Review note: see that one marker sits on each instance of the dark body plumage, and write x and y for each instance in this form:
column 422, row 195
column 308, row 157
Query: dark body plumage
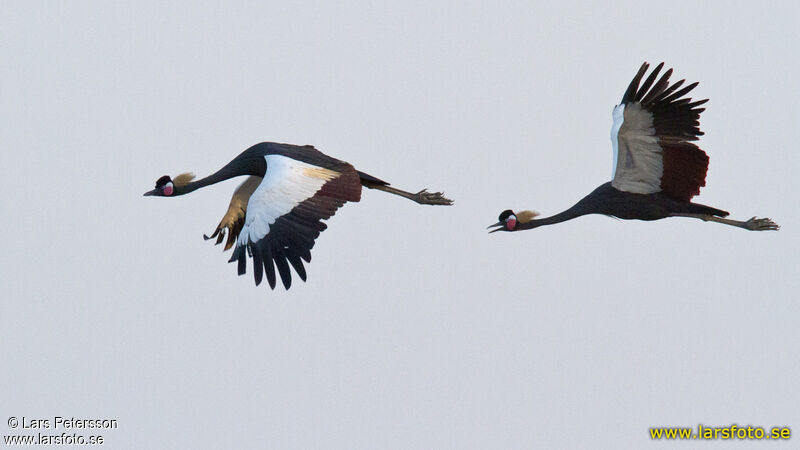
column 626, row 205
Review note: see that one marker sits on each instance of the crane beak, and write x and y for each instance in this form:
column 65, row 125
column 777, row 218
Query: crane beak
column 498, row 224
column 149, row 193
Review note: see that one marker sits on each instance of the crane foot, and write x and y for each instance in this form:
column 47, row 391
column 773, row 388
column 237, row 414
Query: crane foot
column 756, row 224
column 424, row 197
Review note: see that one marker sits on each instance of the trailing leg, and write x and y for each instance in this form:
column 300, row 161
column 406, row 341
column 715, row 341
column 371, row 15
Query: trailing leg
column 422, row 197
column 754, row 224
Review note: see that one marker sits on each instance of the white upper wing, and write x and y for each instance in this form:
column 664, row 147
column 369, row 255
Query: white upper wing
column 638, row 160
column 286, row 184
column 300, row 188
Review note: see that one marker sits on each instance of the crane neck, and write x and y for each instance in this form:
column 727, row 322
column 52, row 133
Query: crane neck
column 576, row 210
column 247, row 163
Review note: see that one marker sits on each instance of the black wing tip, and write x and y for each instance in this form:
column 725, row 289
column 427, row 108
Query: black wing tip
column 242, row 266
column 265, row 262
column 633, row 87
column 657, row 92
column 220, row 237
column 648, row 82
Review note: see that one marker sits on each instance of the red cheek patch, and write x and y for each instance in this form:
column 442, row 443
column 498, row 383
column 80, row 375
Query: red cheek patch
column 510, row 223
column 167, row 190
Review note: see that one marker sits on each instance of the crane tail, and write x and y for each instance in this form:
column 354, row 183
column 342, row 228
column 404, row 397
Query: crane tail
column 369, row 181
column 696, row 208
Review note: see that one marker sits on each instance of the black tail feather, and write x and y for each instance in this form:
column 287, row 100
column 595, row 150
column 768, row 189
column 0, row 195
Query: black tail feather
column 368, row 180
column 696, row 208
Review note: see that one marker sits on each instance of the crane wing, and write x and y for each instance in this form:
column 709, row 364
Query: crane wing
column 284, row 214
column 233, row 220
column 651, row 137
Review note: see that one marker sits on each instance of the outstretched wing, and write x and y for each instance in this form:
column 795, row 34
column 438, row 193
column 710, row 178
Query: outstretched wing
column 233, row 220
column 651, row 137
column 285, row 212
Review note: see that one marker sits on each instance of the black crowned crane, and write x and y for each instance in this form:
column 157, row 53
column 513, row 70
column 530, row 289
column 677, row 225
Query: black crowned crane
column 657, row 169
column 276, row 213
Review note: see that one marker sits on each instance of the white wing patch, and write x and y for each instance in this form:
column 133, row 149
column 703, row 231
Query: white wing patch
column 286, row 184
column 617, row 117
column 638, row 160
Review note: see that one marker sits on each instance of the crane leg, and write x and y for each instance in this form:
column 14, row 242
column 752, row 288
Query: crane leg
column 422, row 197
column 754, row 224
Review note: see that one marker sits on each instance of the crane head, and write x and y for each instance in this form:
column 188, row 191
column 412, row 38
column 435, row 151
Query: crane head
column 508, row 220
column 166, row 186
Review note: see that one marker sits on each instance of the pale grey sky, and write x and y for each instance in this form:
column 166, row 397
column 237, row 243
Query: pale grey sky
column 415, row 329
